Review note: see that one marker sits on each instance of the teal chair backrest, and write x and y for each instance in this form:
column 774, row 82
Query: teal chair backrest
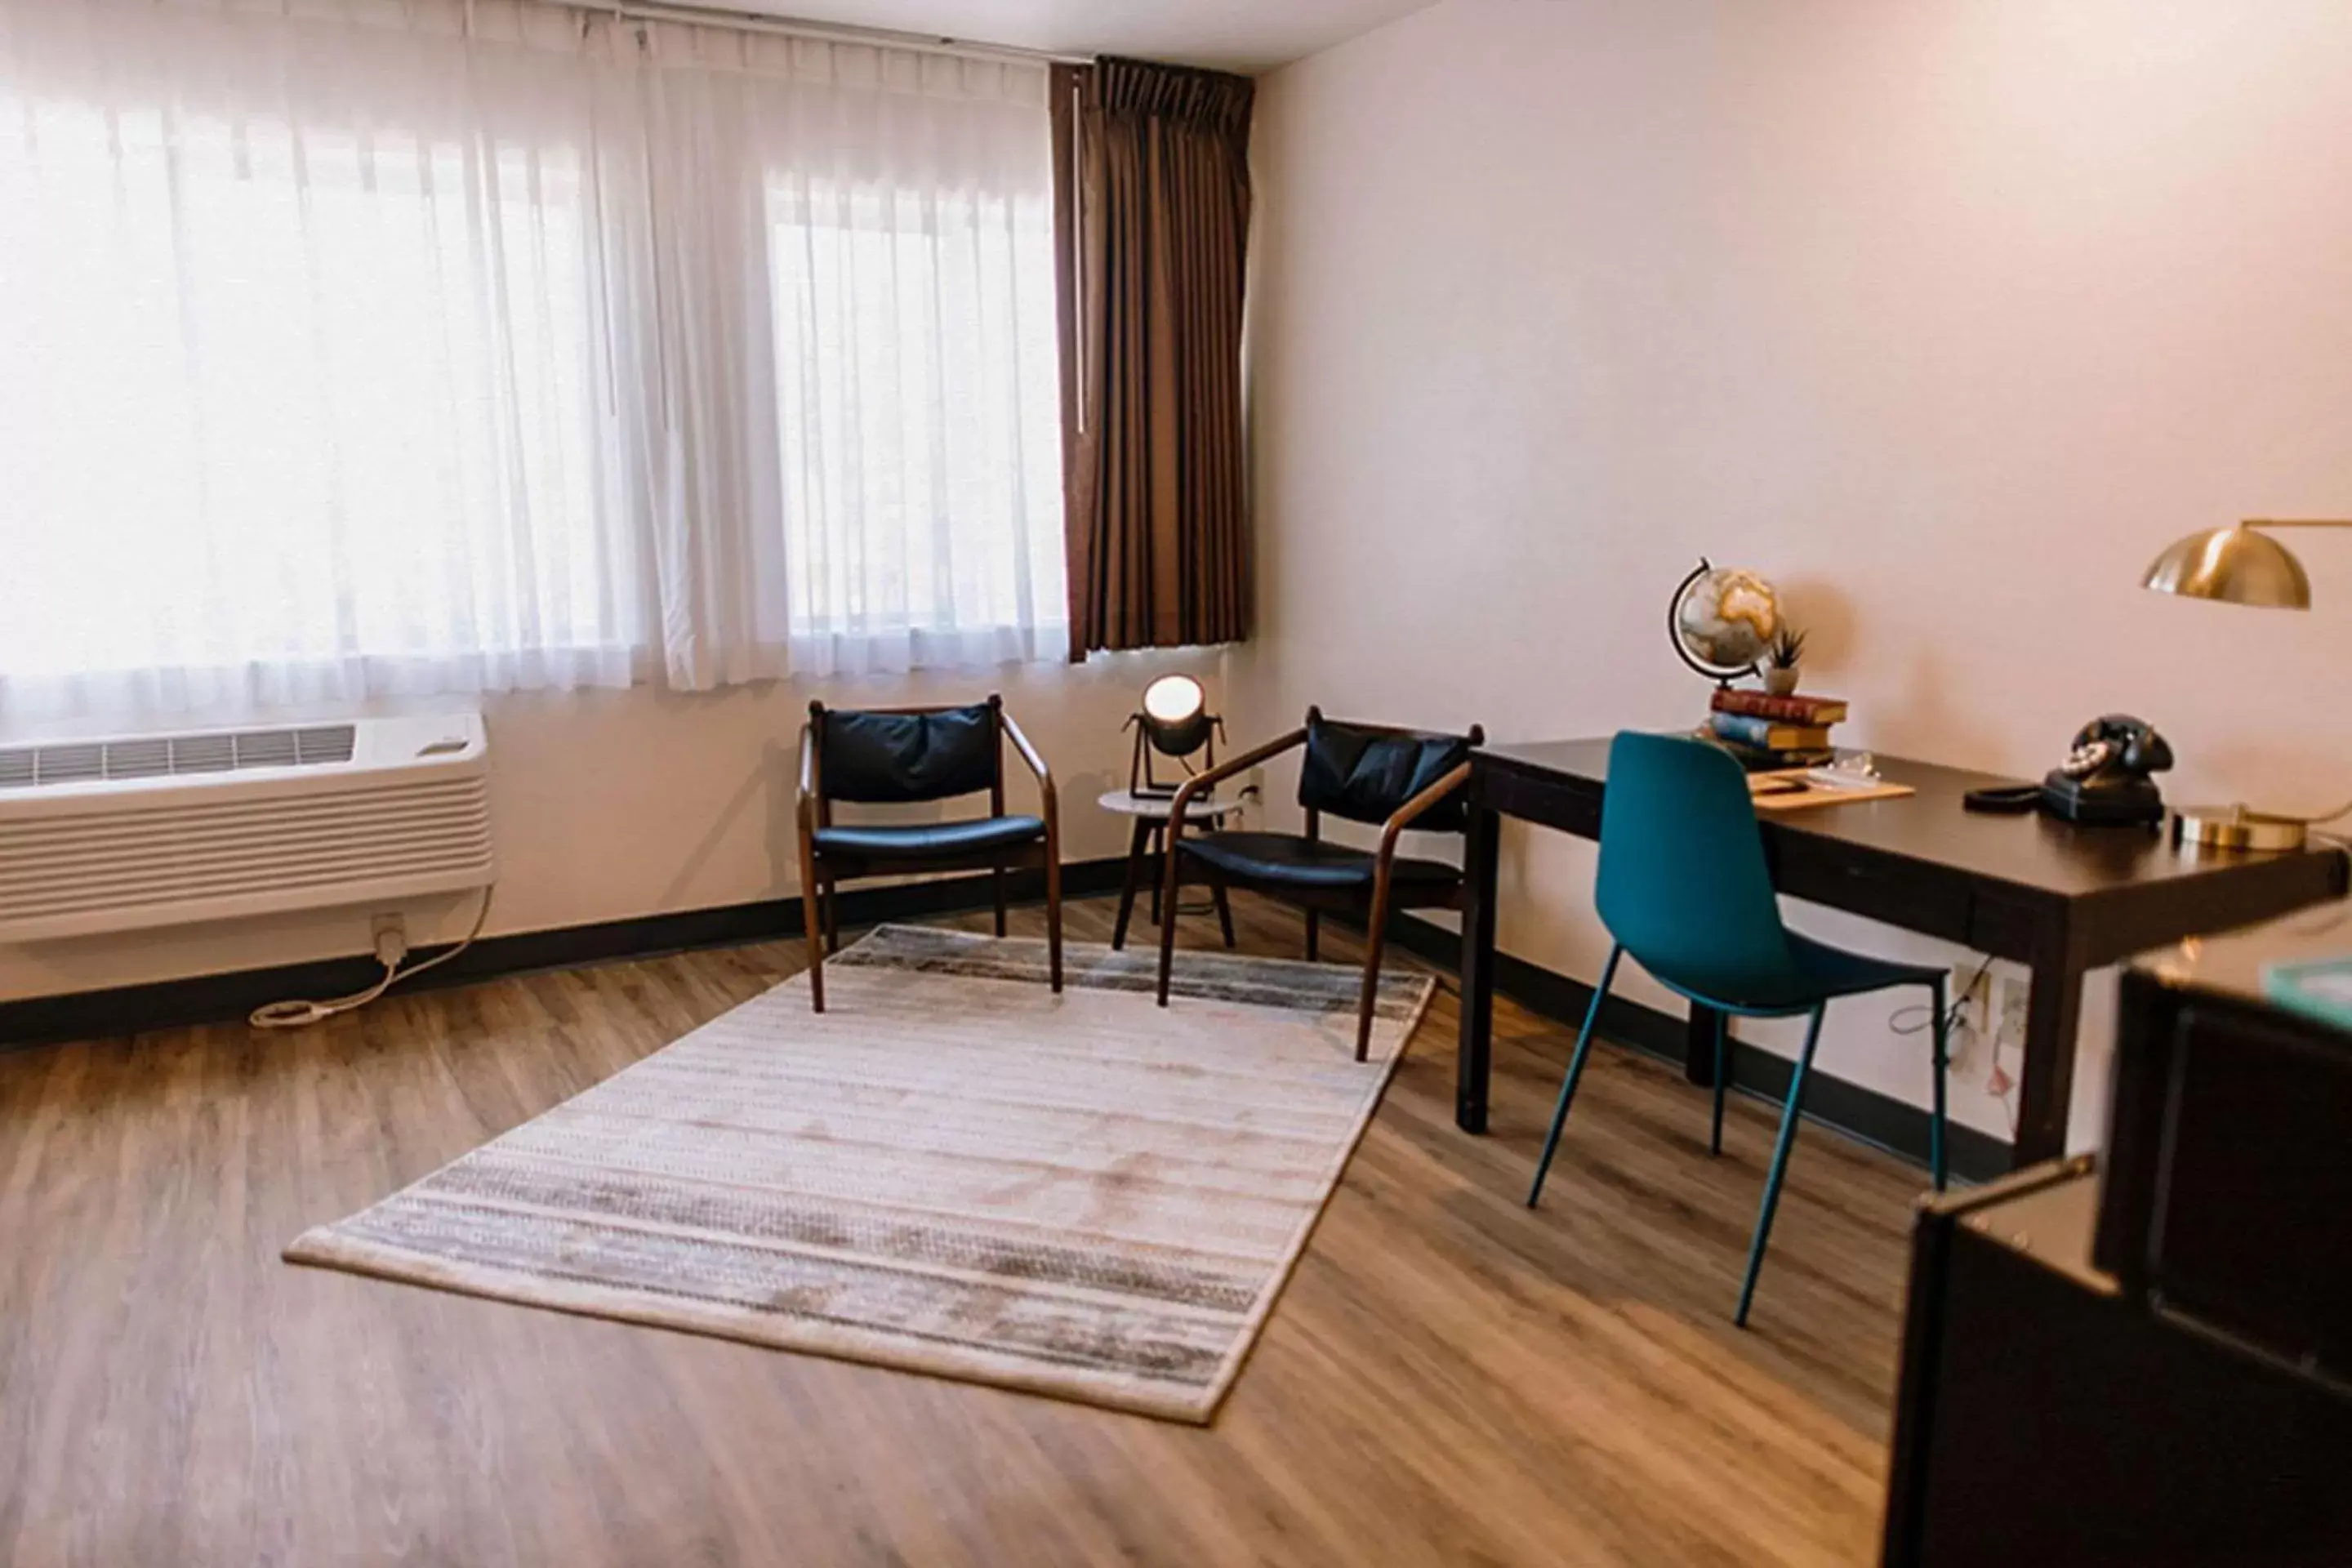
column 1682, row 885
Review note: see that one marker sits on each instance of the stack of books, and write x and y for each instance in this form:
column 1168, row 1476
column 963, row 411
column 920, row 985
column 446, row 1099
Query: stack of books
column 1764, row 732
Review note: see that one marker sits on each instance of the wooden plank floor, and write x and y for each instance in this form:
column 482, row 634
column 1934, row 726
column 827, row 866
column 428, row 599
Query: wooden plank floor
column 1448, row 1378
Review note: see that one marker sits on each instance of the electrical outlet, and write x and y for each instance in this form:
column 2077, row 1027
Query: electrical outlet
column 1251, row 795
column 1971, row 1000
column 2009, row 1014
column 390, row 935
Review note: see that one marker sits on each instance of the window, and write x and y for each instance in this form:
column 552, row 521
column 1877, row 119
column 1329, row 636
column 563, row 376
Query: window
column 361, row 353
column 296, row 411
column 918, row 421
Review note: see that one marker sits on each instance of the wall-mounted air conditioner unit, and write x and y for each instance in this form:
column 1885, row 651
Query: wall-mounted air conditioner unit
column 136, row 831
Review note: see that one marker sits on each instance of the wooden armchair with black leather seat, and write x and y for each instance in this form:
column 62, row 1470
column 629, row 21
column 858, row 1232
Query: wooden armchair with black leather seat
column 898, row 755
column 1374, row 773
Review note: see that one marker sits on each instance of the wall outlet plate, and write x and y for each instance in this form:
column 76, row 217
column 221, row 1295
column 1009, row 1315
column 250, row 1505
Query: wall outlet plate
column 1971, row 1006
column 2009, row 998
column 1252, row 791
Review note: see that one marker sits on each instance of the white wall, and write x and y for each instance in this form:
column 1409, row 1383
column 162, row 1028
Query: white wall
column 608, row 804
column 1946, row 315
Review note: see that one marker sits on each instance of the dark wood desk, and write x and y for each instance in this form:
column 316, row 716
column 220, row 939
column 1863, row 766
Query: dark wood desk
column 2059, row 900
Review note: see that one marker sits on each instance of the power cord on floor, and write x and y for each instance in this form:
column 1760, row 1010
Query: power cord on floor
column 298, row 1015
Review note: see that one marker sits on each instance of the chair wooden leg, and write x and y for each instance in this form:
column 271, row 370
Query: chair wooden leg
column 1225, row 909
column 1158, row 846
column 1314, row 932
column 1053, row 910
column 832, row 916
column 1722, row 1077
column 1376, row 929
column 813, row 929
column 1941, row 1024
column 1575, row 1071
column 996, row 878
column 1171, row 889
column 1789, row 1116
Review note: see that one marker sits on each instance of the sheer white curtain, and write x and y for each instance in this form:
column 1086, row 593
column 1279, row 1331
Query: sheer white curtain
column 307, row 391
column 360, row 349
column 856, row 251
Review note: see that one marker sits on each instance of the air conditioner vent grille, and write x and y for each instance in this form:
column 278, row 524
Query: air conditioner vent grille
column 173, row 756
column 109, row 835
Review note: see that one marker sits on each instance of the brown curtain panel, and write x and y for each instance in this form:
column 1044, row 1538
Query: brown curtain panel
column 1152, row 201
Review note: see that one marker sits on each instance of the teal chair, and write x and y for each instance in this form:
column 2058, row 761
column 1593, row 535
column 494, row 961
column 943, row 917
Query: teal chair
column 1685, row 890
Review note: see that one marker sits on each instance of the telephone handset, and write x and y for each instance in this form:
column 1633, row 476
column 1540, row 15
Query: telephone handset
column 2104, row 779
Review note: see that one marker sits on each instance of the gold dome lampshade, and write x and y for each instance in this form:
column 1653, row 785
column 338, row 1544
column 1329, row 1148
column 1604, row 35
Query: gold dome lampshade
column 2241, row 565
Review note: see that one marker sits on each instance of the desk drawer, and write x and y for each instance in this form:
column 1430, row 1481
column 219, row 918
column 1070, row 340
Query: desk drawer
column 1550, row 800
column 1924, row 898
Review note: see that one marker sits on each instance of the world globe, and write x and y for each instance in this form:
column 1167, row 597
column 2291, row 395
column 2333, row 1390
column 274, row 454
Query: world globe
column 1723, row 619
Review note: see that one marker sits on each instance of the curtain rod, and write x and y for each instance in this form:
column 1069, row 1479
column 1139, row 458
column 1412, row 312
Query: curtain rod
column 833, row 32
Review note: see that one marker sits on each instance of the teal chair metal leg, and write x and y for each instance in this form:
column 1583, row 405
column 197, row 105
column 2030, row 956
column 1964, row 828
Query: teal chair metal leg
column 1575, row 1071
column 1722, row 1078
column 1942, row 1025
column 1789, row 1116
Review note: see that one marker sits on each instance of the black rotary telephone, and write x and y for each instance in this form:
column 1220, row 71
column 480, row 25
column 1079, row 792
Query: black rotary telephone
column 2104, row 778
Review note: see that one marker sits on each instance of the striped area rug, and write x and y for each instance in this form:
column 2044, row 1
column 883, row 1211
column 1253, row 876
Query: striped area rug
column 951, row 1170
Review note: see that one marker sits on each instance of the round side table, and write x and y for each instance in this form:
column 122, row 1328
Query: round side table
column 1149, row 813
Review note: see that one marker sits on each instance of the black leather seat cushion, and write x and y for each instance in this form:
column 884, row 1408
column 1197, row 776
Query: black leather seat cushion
column 908, row 756
column 1366, row 777
column 923, row 840
column 1289, row 860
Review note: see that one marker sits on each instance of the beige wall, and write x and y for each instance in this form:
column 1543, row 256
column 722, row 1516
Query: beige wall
column 611, row 804
column 1946, row 315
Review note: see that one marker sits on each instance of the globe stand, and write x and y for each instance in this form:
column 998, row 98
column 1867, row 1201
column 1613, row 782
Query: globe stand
column 1722, row 675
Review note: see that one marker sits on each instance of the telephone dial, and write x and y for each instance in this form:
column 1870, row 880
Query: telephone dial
column 2103, row 778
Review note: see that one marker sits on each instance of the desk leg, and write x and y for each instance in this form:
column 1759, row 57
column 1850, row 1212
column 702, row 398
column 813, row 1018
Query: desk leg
column 2054, row 1016
column 1477, row 1045
column 1698, row 1047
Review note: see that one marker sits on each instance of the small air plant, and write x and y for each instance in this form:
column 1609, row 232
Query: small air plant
column 1781, row 656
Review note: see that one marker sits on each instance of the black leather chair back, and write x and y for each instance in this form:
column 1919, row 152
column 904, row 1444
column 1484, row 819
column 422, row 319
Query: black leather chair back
column 893, row 757
column 1365, row 775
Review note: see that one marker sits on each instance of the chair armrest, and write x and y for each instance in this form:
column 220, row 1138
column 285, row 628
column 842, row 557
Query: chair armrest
column 806, row 805
column 1402, row 816
column 1201, row 783
column 1029, row 755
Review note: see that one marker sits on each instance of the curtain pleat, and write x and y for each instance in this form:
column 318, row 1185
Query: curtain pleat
column 1151, row 163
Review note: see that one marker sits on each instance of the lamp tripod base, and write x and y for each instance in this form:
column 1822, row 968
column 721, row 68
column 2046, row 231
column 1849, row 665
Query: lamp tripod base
column 2235, row 827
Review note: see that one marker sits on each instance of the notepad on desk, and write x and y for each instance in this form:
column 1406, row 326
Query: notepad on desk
column 1800, row 789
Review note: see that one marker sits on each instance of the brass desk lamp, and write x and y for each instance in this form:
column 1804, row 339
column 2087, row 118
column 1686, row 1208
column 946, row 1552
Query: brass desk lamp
column 2241, row 565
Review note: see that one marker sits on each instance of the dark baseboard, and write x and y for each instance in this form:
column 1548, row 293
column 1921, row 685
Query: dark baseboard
column 1857, row 1113
column 219, row 998
column 1864, row 1114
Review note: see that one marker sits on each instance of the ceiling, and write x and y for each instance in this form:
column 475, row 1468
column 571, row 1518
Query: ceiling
column 1246, row 36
